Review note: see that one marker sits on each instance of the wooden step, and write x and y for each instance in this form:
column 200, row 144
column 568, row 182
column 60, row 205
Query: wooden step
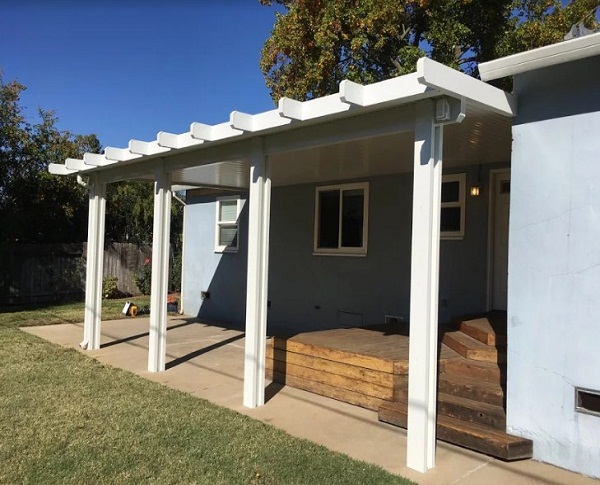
column 344, row 395
column 481, row 329
column 470, row 348
column 469, row 435
column 471, row 388
column 483, row 371
column 471, row 411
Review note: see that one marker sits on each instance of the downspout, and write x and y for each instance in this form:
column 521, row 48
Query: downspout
column 182, row 202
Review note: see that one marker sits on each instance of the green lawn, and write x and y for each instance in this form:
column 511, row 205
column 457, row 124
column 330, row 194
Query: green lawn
column 66, row 418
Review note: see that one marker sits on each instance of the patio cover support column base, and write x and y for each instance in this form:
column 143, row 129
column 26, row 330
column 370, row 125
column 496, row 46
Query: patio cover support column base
column 258, row 273
column 94, row 265
column 160, row 270
column 424, row 285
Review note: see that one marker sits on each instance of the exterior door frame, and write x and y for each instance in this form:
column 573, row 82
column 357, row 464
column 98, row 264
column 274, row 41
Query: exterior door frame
column 493, row 177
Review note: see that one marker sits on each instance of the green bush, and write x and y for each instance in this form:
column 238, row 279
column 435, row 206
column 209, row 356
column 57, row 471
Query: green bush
column 143, row 279
column 109, row 288
column 176, row 273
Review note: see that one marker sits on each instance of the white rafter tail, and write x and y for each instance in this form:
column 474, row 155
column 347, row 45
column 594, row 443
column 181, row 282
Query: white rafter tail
column 453, row 82
column 290, row 108
column 259, row 122
column 96, row 160
column 119, row 154
column 352, row 93
column 401, row 89
column 146, row 148
column 213, row 132
column 325, row 106
column 60, row 169
column 76, row 164
column 172, row 140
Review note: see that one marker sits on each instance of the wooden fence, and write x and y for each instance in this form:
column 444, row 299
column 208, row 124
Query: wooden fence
column 32, row 274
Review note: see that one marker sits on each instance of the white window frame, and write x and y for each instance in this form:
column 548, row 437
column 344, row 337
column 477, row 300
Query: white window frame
column 342, row 251
column 461, row 178
column 219, row 248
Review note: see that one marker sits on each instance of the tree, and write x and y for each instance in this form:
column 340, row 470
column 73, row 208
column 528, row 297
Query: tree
column 34, row 205
column 317, row 43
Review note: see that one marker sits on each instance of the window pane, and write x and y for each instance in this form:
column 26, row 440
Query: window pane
column 227, row 210
column 352, row 218
column 450, row 191
column 329, row 222
column 228, row 236
column 450, row 219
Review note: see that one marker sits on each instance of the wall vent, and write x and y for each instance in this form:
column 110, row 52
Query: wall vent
column 587, row 401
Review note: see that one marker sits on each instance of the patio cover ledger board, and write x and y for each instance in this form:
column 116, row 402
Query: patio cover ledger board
column 355, row 112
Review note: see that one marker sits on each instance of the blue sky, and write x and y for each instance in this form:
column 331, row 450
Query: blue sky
column 130, row 69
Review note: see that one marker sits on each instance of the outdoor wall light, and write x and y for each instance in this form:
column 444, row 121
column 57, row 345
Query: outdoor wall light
column 475, row 190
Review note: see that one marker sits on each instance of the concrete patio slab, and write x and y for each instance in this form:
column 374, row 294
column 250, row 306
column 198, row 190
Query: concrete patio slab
column 206, row 360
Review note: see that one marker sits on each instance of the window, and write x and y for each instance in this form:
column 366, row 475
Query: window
column 226, row 231
column 341, row 214
column 452, row 217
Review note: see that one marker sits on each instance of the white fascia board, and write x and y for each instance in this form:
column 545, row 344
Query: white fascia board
column 60, row 169
column 213, row 132
column 76, row 164
column 455, row 83
column 96, row 160
column 119, row 154
column 401, row 89
column 257, row 122
column 171, row 140
column 146, row 148
column 550, row 55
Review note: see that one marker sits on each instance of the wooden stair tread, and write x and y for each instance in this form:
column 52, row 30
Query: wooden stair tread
column 471, row 388
column 472, row 411
column 481, row 329
column 484, row 371
column 469, row 347
column 480, row 438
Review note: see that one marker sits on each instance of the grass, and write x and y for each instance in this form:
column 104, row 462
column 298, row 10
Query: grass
column 66, row 418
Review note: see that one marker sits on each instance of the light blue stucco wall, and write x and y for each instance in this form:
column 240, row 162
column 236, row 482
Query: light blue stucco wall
column 308, row 291
column 554, row 263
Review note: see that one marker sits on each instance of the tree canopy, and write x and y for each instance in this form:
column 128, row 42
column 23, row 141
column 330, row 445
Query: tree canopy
column 36, row 206
column 317, row 43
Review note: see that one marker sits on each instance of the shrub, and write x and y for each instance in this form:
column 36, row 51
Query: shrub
column 143, row 279
column 109, row 288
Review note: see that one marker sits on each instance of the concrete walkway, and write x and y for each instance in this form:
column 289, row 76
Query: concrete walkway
column 207, row 361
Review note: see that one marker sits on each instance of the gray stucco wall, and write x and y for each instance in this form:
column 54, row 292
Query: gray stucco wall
column 310, row 292
column 554, row 263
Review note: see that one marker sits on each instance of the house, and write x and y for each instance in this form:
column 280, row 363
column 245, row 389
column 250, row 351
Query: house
column 392, row 201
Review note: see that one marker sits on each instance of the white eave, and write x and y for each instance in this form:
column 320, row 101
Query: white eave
column 550, row 55
column 431, row 79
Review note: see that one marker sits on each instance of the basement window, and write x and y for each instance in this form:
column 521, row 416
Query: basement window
column 226, row 230
column 341, row 219
column 452, row 215
column 587, row 401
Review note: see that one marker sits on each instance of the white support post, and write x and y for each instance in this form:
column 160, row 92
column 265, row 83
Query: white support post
column 257, row 282
column 160, row 270
column 94, row 265
column 424, row 287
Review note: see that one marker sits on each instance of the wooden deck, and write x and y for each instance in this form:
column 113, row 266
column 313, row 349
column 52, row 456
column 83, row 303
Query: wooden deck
column 368, row 367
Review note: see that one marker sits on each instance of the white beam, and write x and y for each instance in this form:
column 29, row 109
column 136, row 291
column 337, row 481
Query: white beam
column 424, row 285
column 160, row 270
column 257, row 281
column 94, row 265
column 457, row 84
column 171, row 140
column 213, row 132
column 119, row 154
column 146, row 148
column 96, row 160
column 258, row 122
column 60, row 169
column 76, row 164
